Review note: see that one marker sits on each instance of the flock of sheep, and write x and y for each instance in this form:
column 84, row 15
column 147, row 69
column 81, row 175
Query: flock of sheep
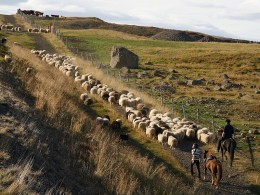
column 156, row 125
column 10, row 27
column 38, row 30
column 13, row 28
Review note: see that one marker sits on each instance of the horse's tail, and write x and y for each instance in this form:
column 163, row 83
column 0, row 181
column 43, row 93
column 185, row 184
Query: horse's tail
column 219, row 171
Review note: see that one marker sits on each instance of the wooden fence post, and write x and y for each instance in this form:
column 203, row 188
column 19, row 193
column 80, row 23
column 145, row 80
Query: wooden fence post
column 162, row 99
column 198, row 115
column 183, row 110
column 213, row 124
column 250, row 150
column 172, row 105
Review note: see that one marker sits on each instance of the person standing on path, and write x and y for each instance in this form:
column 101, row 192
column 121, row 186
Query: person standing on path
column 195, row 159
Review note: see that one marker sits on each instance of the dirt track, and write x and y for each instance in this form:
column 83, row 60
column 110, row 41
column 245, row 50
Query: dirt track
column 228, row 185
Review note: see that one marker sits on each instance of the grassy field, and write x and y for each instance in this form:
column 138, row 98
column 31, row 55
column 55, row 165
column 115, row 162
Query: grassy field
column 191, row 61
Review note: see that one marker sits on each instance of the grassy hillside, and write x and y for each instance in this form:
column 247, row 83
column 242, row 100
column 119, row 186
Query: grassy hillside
column 190, row 61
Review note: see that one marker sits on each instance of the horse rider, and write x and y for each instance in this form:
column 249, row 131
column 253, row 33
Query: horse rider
column 228, row 133
column 195, row 152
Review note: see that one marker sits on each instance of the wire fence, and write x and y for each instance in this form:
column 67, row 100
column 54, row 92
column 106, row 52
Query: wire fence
column 160, row 92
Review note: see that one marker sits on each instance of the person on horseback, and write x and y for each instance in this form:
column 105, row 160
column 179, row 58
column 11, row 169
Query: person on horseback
column 195, row 159
column 228, row 133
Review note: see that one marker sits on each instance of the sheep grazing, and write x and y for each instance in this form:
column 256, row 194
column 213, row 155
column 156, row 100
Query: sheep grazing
column 8, row 59
column 93, row 90
column 103, row 122
column 162, row 139
column 142, row 126
column 150, row 132
column 112, row 100
column 29, row 70
column 88, row 101
column 200, row 131
column 83, row 96
column 172, row 142
column 190, row 133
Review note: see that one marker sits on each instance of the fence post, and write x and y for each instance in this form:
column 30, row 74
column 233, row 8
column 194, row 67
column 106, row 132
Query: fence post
column 172, row 105
column 183, row 110
column 250, row 150
column 162, row 100
column 128, row 80
column 213, row 124
column 198, row 115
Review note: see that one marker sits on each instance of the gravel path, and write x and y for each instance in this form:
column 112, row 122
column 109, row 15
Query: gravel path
column 231, row 182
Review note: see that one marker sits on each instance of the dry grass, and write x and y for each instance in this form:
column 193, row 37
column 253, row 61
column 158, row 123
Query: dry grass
column 117, row 166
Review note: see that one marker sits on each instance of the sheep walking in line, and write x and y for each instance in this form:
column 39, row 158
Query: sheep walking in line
column 151, row 121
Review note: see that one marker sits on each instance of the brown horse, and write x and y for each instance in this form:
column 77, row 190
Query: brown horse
column 214, row 166
column 230, row 146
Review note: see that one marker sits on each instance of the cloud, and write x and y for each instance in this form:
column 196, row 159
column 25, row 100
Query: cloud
column 13, row 2
column 250, row 16
column 238, row 18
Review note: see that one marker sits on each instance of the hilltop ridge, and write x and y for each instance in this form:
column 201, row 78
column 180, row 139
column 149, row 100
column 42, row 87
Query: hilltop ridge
column 146, row 31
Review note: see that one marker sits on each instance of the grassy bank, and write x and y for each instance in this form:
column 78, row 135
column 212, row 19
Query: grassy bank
column 115, row 165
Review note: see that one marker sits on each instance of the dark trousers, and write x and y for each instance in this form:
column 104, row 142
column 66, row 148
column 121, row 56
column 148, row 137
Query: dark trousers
column 197, row 162
column 219, row 142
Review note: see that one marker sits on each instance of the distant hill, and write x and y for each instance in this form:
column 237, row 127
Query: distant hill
column 147, row 31
column 178, row 35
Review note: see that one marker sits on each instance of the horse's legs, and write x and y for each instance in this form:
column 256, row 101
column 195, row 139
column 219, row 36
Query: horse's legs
column 212, row 178
column 225, row 154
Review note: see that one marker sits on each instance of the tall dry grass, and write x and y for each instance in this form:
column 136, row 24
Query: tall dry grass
column 119, row 167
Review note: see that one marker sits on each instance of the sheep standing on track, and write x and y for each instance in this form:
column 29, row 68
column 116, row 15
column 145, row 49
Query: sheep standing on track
column 8, row 59
column 150, row 132
column 162, row 139
column 172, row 142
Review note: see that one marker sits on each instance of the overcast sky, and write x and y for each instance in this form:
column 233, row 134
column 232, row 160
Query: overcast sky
column 229, row 18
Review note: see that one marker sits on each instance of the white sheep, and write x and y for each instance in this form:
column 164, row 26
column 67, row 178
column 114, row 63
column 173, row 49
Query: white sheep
column 8, row 58
column 136, row 122
column 142, row 126
column 112, row 100
column 83, row 96
column 123, row 102
column 172, row 142
column 131, row 117
column 190, row 133
column 93, row 90
column 150, row 132
column 162, row 139
column 204, row 137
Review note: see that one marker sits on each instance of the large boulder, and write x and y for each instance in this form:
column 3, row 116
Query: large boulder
column 122, row 57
